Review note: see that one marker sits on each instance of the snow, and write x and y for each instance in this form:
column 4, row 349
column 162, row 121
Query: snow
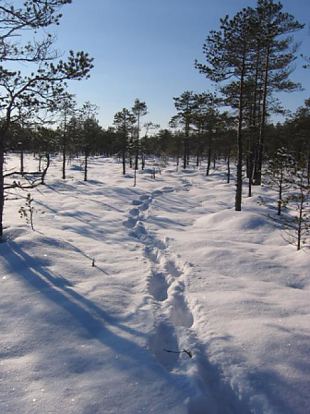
column 190, row 307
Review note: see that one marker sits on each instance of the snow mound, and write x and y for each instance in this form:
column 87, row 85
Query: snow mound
column 234, row 221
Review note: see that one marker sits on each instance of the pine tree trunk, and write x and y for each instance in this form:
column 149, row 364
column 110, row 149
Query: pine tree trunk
column 186, row 144
column 22, row 161
column 258, row 170
column 85, row 165
column 209, row 160
column 308, row 166
column 48, row 161
column 137, row 160
column 280, row 194
column 135, row 178
column 250, row 173
column 64, row 159
column 253, row 138
column 228, row 167
column 124, row 161
column 299, row 225
column 185, row 153
column 64, row 148
column 238, row 198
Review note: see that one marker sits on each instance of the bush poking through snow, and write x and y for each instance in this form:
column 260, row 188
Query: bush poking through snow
column 297, row 223
column 27, row 211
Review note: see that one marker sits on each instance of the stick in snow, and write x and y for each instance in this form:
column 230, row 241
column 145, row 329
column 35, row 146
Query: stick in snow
column 187, row 352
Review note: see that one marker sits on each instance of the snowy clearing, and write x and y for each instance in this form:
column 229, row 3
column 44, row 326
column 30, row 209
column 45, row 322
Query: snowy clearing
column 190, row 307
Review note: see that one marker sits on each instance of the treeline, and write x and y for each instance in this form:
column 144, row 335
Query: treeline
column 200, row 136
column 204, row 134
column 249, row 58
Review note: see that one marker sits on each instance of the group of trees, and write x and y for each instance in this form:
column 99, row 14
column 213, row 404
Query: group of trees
column 127, row 124
column 248, row 58
column 26, row 93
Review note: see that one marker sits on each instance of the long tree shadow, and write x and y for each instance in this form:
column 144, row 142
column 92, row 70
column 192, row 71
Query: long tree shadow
column 72, row 189
column 90, row 224
column 96, row 323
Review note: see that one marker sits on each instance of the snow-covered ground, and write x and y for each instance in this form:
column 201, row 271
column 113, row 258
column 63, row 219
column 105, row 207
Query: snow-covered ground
column 191, row 307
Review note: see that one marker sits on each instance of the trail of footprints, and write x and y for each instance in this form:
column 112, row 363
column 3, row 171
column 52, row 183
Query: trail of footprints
column 172, row 314
column 173, row 318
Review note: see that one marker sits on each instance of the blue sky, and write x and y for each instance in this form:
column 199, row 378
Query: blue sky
column 146, row 48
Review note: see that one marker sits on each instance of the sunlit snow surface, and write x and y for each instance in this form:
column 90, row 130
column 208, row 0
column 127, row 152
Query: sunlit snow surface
column 176, row 269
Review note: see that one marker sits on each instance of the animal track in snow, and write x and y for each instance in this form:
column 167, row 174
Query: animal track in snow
column 180, row 314
column 134, row 212
column 164, row 337
column 172, row 268
column 158, row 286
column 172, row 314
column 172, row 335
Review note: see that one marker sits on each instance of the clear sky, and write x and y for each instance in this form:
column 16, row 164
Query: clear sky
column 146, row 49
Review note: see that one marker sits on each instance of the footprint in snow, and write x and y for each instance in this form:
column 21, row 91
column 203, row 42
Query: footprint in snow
column 158, row 286
column 164, row 338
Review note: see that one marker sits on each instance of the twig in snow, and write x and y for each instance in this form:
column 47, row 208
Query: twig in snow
column 186, row 351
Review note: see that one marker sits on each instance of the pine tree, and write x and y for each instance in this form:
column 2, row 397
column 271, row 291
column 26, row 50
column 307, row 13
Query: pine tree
column 139, row 109
column 42, row 81
column 186, row 105
column 278, row 174
column 67, row 108
column 297, row 223
column 277, row 51
column 124, row 122
column 228, row 53
column 252, row 55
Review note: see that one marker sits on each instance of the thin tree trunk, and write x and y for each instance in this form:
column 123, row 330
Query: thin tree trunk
column 85, row 165
column 64, row 148
column 185, row 153
column 124, row 161
column 48, row 160
column 253, row 144
column 250, row 173
column 22, row 161
column 135, row 177
column 64, row 158
column 186, row 144
column 300, row 223
column 258, row 172
column 137, row 160
column 40, row 163
column 238, row 198
column 308, row 166
column 209, row 160
column 228, row 166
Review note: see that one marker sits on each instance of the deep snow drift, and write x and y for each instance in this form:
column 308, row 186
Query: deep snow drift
column 191, row 307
